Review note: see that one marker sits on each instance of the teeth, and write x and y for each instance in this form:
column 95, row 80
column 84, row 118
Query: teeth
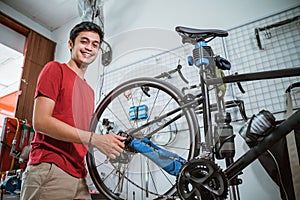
column 87, row 54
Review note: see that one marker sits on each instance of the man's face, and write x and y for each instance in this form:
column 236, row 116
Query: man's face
column 85, row 48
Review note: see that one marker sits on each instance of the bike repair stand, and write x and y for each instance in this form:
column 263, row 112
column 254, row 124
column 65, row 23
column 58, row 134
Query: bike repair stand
column 225, row 149
column 203, row 58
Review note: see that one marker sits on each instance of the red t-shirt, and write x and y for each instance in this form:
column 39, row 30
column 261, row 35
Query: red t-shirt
column 74, row 105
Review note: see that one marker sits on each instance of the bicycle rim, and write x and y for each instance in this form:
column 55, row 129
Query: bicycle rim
column 138, row 177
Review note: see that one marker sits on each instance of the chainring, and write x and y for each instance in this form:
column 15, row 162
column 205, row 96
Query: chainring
column 201, row 179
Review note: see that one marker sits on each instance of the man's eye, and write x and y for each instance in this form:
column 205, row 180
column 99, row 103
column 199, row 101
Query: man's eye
column 96, row 45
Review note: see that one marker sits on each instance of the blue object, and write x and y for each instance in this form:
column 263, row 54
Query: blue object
column 222, row 63
column 201, row 61
column 138, row 112
column 201, row 44
column 133, row 112
column 143, row 112
column 169, row 161
column 190, row 60
column 11, row 184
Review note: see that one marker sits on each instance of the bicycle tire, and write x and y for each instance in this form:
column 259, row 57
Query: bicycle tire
column 140, row 178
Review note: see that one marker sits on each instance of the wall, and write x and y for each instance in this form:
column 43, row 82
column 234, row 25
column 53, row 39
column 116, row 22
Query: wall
column 133, row 14
column 139, row 56
column 145, row 44
column 130, row 15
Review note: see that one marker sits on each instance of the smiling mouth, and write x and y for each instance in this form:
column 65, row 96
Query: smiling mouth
column 87, row 54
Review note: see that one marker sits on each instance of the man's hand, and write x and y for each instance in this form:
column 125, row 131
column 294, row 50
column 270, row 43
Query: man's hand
column 109, row 144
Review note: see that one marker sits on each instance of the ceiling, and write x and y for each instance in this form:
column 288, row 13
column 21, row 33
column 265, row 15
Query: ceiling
column 11, row 62
column 50, row 14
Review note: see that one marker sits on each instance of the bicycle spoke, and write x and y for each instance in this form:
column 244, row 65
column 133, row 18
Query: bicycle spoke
column 169, row 123
column 123, row 109
column 153, row 105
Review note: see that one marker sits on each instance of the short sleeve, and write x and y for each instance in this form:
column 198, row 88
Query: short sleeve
column 49, row 81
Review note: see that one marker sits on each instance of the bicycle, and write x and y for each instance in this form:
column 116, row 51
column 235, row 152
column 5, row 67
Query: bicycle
column 150, row 109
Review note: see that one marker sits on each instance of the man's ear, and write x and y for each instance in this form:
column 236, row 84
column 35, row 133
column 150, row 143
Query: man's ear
column 70, row 45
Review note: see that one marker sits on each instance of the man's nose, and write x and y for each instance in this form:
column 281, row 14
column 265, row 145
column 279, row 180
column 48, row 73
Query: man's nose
column 89, row 46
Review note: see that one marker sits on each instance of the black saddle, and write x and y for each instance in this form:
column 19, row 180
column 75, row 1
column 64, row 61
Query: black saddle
column 193, row 35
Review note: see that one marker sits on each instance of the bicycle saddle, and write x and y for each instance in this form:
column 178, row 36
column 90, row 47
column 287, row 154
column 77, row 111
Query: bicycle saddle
column 193, row 35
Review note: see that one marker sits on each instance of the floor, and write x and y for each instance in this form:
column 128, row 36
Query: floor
column 9, row 197
column 17, row 197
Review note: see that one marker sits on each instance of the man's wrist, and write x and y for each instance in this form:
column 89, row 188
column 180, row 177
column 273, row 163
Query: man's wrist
column 90, row 139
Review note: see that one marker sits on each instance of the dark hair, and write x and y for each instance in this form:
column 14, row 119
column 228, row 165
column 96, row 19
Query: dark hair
column 86, row 26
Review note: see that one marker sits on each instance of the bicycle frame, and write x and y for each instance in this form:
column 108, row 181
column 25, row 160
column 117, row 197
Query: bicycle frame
column 186, row 107
column 233, row 168
column 282, row 130
column 203, row 58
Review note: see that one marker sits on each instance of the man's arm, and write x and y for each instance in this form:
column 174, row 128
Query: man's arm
column 43, row 122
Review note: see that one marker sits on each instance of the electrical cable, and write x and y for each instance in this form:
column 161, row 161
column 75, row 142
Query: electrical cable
column 279, row 174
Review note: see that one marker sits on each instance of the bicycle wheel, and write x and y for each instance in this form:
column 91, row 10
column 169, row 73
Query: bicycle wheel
column 137, row 177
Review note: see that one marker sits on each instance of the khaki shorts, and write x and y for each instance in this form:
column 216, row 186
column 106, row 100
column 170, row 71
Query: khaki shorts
column 46, row 181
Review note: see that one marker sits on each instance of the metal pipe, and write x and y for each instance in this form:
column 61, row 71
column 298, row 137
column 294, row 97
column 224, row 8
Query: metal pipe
column 281, row 73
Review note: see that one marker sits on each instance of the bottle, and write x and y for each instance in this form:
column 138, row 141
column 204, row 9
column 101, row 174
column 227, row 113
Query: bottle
column 224, row 137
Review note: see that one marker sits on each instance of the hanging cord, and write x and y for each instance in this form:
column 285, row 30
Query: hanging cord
column 279, row 174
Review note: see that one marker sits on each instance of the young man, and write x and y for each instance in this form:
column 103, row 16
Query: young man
column 64, row 104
